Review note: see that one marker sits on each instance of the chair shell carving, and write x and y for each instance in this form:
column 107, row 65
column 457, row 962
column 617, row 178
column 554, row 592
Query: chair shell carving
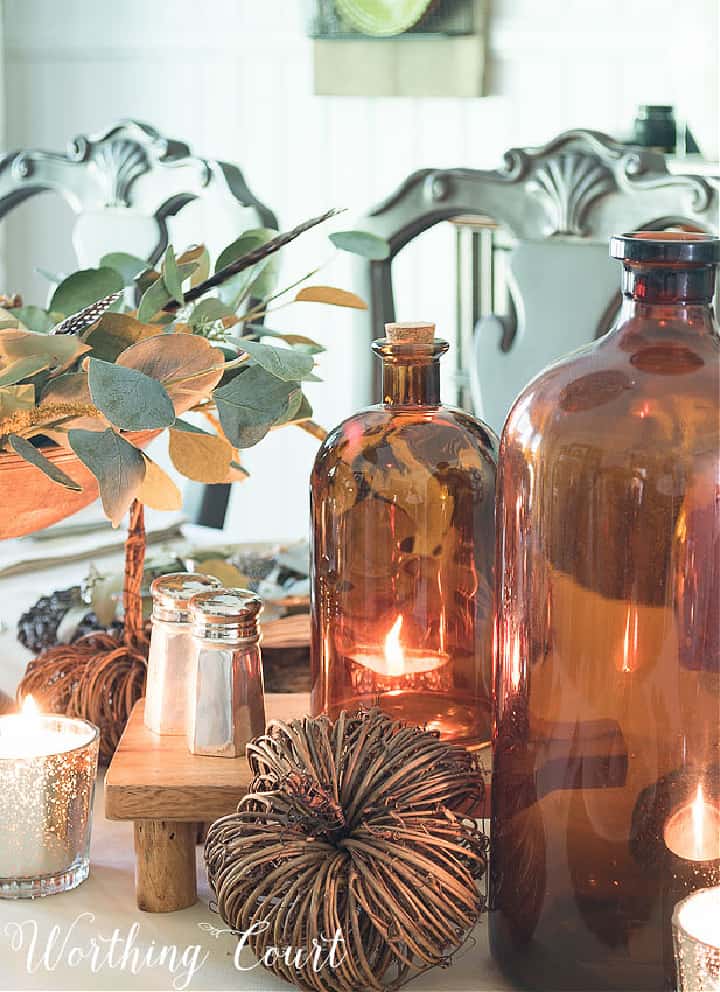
column 579, row 188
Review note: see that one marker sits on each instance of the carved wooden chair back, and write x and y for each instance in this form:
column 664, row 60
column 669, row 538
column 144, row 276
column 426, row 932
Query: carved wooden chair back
column 556, row 207
column 134, row 190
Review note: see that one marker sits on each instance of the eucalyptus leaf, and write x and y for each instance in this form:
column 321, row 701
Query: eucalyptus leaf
column 155, row 297
column 305, row 410
column 294, row 404
column 14, row 398
column 251, row 404
column 171, row 276
column 52, row 277
column 146, row 279
column 284, row 363
column 117, row 465
column 188, row 366
column 128, row 398
column 266, row 281
column 236, row 289
column 301, row 341
column 248, row 241
column 85, row 287
column 31, row 454
column 34, row 318
column 259, row 279
column 200, row 456
column 115, row 332
column 129, row 266
column 330, row 295
column 158, row 294
column 72, row 391
column 361, row 243
column 22, row 368
column 58, row 350
column 202, row 271
column 200, row 255
column 209, row 311
column 185, row 425
column 70, row 387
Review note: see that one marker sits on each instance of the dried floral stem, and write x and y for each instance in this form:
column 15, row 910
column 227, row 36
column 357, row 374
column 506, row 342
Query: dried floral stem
column 249, row 259
column 44, row 416
column 310, row 427
column 261, row 310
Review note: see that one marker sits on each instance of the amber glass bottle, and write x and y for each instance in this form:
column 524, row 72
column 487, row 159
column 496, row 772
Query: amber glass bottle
column 607, row 719
column 402, row 500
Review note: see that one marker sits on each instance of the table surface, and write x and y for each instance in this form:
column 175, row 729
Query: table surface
column 32, row 958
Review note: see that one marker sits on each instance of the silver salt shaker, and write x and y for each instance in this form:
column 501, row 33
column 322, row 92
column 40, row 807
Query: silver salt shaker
column 226, row 705
column 170, row 649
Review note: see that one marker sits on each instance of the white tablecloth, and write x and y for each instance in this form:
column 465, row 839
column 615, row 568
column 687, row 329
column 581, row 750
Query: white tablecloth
column 106, row 902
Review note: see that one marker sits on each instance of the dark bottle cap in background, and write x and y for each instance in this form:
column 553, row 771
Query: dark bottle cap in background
column 655, row 127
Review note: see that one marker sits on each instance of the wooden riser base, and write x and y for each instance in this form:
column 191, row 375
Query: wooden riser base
column 170, row 795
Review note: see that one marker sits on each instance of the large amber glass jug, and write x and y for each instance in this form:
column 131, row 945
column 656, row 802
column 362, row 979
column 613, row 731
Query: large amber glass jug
column 402, row 498
column 606, row 782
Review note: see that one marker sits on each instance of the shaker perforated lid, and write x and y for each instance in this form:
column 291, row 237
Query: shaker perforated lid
column 420, row 332
column 172, row 593
column 225, row 614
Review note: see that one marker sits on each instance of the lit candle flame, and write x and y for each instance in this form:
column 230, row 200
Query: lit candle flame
column 630, row 642
column 394, row 654
column 515, row 669
column 29, row 708
column 697, row 811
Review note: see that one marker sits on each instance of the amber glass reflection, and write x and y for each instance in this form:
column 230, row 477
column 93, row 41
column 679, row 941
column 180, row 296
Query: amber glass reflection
column 607, row 703
column 402, row 499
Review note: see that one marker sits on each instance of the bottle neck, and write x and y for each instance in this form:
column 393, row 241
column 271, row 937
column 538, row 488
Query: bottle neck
column 411, row 372
column 669, row 294
column 411, row 385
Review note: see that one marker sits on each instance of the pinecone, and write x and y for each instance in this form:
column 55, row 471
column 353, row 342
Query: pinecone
column 38, row 627
column 90, row 624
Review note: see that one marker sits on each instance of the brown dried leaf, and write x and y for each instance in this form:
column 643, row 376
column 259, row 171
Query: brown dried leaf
column 117, row 331
column 330, row 295
column 188, row 366
column 158, row 490
column 199, row 456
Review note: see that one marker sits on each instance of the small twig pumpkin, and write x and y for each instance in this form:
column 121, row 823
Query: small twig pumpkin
column 357, row 827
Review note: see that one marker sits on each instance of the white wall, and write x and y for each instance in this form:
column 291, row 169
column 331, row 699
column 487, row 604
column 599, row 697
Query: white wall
column 234, row 79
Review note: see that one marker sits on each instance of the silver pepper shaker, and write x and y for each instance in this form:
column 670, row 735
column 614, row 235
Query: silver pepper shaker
column 171, row 648
column 226, row 705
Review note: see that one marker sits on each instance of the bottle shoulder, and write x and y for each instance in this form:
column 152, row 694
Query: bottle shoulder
column 635, row 389
column 434, row 435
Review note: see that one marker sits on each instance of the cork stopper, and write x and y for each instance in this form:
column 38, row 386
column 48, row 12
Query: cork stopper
column 419, row 332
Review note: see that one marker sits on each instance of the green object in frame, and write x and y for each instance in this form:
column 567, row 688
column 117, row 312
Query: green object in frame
column 383, row 17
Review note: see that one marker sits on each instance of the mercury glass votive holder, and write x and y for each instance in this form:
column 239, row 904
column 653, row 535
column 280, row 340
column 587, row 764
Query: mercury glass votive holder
column 47, row 783
column 696, row 938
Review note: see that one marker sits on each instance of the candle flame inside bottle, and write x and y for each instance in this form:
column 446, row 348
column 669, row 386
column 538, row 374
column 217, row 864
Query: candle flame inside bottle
column 394, row 653
column 630, row 642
